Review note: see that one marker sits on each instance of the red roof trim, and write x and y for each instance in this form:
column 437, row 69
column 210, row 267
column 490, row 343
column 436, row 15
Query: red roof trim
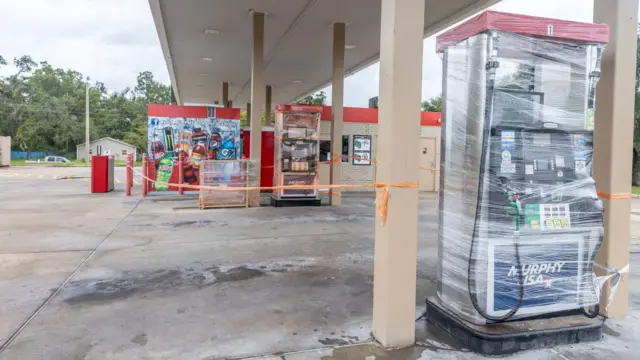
column 191, row 111
column 526, row 25
column 177, row 111
column 370, row 116
column 227, row 113
column 298, row 108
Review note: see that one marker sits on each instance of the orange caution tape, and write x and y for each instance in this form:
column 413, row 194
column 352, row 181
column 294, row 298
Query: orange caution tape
column 604, row 195
column 382, row 198
column 338, row 159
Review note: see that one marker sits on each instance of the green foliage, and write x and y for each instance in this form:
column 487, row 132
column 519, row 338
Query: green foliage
column 433, row 104
column 319, row 98
column 43, row 108
column 243, row 118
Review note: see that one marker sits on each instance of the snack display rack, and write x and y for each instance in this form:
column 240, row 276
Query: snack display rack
column 297, row 150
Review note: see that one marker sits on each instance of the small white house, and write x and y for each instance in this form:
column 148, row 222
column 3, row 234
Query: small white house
column 109, row 146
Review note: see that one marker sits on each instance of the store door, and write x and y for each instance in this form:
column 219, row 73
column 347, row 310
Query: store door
column 427, row 161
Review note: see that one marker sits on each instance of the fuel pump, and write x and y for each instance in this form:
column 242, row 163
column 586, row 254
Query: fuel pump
column 520, row 219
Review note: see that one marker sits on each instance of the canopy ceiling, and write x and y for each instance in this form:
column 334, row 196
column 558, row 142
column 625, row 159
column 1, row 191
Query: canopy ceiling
column 207, row 42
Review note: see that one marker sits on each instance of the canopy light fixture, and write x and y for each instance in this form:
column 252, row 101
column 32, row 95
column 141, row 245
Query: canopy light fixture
column 212, row 32
column 207, row 58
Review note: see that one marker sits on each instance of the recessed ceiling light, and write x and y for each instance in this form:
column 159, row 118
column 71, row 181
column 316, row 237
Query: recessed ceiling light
column 207, row 58
column 297, row 81
column 349, row 47
column 212, row 32
column 204, row 74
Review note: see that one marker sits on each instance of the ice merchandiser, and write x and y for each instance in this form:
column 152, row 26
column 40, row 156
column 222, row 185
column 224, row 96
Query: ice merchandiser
column 297, row 150
column 520, row 221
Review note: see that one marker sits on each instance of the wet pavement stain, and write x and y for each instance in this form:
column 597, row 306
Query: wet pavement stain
column 140, row 339
column 339, row 342
column 197, row 224
column 372, row 351
column 609, row 331
column 139, row 283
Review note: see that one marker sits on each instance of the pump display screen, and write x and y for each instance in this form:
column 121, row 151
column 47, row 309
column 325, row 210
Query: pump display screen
column 541, row 139
column 543, row 165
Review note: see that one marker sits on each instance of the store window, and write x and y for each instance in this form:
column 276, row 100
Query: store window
column 90, row 151
column 345, row 148
column 325, row 150
column 361, row 149
column 124, row 152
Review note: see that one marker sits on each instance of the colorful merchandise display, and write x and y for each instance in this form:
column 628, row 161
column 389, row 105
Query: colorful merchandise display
column 198, row 133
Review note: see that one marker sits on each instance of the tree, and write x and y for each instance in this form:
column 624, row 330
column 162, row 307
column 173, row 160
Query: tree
column 151, row 91
column 319, row 98
column 43, row 107
column 433, row 104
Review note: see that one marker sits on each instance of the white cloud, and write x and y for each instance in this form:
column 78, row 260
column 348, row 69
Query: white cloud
column 110, row 41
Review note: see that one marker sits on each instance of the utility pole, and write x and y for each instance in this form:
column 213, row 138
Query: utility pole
column 86, row 125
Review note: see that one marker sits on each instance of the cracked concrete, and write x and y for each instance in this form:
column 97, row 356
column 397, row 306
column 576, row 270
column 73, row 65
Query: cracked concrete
column 175, row 282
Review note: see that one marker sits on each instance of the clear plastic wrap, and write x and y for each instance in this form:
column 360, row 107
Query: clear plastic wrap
column 520, row 219
column 297, row 150
column 226, row 174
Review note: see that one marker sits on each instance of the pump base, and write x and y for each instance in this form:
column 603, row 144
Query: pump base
column 292, row 202
column 511, row 337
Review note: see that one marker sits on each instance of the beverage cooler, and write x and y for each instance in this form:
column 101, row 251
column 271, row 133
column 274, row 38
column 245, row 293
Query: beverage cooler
column 297, row 149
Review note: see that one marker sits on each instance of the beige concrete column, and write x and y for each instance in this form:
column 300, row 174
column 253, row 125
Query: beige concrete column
column 257, row 98
column 337, row 98
column 613, row 141
column 248, row 114
column 267, row 106
column 394, row 288
column 225, row 94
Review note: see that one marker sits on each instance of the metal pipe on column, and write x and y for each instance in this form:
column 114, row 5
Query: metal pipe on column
column 257, row 98
column 249, row 114
column 267, row 107
column 337, row 98
column 225, row 94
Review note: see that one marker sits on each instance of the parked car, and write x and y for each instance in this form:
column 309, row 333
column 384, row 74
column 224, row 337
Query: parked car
column 56, row 159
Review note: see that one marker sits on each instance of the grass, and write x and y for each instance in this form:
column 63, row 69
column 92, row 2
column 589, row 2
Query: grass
column 74, row 163
column 635, row 190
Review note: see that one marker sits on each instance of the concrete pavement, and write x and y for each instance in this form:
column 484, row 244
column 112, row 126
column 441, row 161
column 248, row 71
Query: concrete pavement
column 104, row 276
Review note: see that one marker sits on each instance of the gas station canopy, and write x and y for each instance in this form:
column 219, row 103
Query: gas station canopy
column 206, row 43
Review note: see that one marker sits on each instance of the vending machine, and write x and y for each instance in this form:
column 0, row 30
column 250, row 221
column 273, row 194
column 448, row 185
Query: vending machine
column 297, row 151
column 520, row 219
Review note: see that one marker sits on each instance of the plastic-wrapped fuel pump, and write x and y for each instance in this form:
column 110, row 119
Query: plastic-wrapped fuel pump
column 520, row 219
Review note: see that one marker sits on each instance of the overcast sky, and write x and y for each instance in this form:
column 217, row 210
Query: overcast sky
column 113, row 40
